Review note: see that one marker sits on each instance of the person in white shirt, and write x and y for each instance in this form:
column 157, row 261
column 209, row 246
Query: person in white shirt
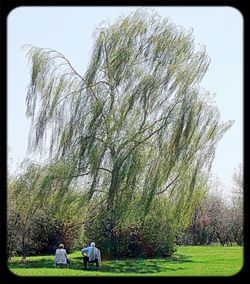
column 91, row 254
column 61, row 256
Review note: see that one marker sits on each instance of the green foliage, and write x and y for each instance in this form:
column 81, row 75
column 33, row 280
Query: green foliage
column 43, row 210
column 135, row 130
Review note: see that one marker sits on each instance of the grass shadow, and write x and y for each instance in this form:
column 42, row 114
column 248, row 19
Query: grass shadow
column 144, row 266
column 139, row 266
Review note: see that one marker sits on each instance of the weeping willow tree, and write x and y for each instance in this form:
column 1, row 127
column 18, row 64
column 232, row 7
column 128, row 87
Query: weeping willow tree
column 137, row 122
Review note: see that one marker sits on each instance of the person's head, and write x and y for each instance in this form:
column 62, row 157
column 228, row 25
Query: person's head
column 92, row 244
column 61, row 246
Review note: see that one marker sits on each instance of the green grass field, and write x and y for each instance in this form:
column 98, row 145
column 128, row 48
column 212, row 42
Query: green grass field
column 187, row 261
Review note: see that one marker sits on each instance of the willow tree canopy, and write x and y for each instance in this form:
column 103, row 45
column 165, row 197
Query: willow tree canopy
column 137, row 121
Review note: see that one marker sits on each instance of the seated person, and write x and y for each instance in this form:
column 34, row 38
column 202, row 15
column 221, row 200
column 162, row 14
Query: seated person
column 91, row 254
column 61, row 256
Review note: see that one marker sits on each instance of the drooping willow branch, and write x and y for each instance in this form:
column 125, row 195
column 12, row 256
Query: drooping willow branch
column 136, row 119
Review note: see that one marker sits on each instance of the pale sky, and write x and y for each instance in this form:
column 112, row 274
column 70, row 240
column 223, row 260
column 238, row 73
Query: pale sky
column 69, row 31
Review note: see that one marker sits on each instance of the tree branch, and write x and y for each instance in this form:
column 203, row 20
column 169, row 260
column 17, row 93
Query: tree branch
column 160, row 192
column 87, row 173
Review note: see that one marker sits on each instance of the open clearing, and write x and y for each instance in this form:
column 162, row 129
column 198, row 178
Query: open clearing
column 187, row 261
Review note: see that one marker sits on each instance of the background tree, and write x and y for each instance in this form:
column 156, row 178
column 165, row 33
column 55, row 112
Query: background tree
column 238, row 188
column 135, row 124
column 43, row 210
column 237, row 225
column 215, row 219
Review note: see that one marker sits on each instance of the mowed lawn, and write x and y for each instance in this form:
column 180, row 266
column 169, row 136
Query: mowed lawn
column 187, row 261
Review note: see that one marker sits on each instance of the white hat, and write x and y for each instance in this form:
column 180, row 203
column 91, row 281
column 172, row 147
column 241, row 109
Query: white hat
column 92, row 244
